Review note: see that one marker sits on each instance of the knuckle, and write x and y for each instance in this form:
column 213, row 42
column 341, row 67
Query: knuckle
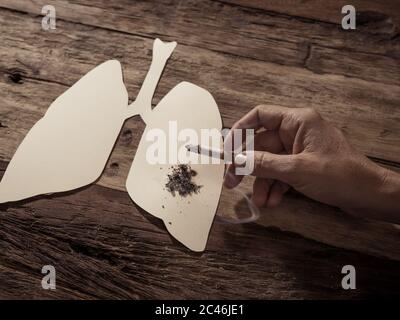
column 311, row 115
column 265, row 107
column 237, row 124
column 262, row 106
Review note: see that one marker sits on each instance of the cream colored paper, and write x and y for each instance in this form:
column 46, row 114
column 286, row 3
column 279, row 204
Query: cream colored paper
column 69, row 147
column 189, row 218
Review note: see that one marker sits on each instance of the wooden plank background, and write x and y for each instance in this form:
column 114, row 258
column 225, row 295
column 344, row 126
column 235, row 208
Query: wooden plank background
column 245, row 53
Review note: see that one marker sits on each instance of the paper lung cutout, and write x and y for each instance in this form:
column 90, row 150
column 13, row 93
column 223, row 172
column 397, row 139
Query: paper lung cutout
column 69, row 147
column 188, row 219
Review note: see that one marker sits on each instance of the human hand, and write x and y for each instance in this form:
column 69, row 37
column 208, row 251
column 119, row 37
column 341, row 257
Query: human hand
column 297, row 148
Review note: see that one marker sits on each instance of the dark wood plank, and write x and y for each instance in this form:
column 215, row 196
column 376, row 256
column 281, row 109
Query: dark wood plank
column 238, row 84
column 383, row 15
column 44, row 76
column 243, row 32
column 310, row 219
column 244, row 56
column 104, row 247
column 317, row 221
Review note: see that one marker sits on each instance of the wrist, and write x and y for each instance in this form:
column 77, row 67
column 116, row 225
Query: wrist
column 383, row 199
column 377, row 191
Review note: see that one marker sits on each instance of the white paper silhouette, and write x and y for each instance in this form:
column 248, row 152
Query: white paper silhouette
column 68, row 148
column 189, row 218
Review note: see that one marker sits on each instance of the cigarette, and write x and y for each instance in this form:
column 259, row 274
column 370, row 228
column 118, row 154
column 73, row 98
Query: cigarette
column 214, row 153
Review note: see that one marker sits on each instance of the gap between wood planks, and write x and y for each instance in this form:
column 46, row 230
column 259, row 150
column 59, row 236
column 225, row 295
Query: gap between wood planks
column 12, row 6
column 375, row 250
column 322, row 11
column 302, row 216
column 393, row 165
column 125, row 253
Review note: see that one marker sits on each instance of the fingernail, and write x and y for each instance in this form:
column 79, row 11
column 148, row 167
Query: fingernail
column 240, row 160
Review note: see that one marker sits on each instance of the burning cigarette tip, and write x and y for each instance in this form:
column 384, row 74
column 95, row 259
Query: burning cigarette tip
column 216, row 153
column 193, row 148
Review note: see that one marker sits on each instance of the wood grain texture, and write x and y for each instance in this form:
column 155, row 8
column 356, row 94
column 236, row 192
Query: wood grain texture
column 241, row 32
column 319, row 222
column 383, row 12
column 103, row 245
column 44, row 76
column 228, row 74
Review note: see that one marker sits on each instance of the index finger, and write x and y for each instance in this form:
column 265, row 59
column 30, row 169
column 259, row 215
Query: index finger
column 268, row 116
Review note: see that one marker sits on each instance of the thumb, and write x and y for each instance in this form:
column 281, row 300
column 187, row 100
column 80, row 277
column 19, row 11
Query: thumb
column 269, row 165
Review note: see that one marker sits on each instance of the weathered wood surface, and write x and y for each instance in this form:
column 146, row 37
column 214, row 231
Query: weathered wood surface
column 272, row 55
column 244, row 56
column 369, row 12
column 103, row 247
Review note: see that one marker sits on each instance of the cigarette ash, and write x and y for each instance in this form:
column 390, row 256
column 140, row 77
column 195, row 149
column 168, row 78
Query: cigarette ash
column 180, row 181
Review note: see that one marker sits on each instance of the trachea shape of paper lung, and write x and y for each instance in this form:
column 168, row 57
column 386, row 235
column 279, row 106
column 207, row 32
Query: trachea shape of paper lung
column 189, row 218
column 69, row 147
